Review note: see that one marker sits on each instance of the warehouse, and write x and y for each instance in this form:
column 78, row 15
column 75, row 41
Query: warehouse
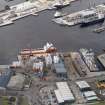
column 5, row 75
column 63, row 93
column 83, row 85
column 60, row 70
column 86, row 91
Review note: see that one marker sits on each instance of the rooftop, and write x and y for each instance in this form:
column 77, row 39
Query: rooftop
column 59, row 67
column 82, row 84
column 5, row 75
column 65, row 91
column 102, row 59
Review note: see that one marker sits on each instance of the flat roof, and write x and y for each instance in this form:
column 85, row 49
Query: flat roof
column 101, row 58
column 65, row 91
column 5, row 75
column 58, row 96
column 59, row 67
column 92, row 98
column 89, row 94
column 23, row 6
column 82, row 84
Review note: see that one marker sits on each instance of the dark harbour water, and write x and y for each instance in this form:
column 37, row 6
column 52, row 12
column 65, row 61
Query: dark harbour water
column 34, row 32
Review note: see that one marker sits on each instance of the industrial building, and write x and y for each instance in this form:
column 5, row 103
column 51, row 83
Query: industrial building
column 63, row 93
column 5, row 75
column 86, row 91
column 60, row 69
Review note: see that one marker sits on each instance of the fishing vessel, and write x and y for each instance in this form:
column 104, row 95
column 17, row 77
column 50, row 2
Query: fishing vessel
column 89, row 59
column 90, row 17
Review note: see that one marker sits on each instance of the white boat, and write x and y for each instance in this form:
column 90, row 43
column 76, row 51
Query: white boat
column 57, row 14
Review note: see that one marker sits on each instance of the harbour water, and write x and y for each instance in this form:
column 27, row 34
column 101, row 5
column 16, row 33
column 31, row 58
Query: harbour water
column 35, row 31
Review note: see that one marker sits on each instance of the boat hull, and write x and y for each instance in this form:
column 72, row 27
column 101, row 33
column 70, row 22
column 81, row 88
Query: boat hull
column 84, row 24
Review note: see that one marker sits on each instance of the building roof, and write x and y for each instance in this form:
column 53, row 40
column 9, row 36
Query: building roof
column 65, row 91
column 101, row 58
column 82, row 84
column 58, row 96
column 23, row 6
column 92, row 98
column 89, row 94
column 59, row 67
column 5, row 75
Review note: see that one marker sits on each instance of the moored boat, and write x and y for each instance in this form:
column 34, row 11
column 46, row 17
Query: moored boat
column 99, row 30
column 90, row 17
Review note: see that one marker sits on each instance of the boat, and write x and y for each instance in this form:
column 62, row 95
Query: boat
column 99, row 30
column 89, row 59
column 90, row 17
column 59, row 14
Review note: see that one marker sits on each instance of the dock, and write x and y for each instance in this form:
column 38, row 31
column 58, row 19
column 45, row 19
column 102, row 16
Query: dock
column 29, row 8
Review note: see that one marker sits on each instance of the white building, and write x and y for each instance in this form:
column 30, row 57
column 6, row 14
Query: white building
column 86, row 91
column 63, row 93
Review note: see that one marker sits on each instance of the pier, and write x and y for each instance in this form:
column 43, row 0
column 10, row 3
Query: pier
column 29, row 8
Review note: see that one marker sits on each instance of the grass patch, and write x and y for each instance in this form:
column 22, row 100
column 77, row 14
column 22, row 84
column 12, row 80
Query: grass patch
column 99, row 103
column 23, row 100
column 5, row 101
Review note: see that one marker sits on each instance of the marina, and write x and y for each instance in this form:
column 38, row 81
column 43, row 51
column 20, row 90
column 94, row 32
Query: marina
column 45, row 64
column 29, row 8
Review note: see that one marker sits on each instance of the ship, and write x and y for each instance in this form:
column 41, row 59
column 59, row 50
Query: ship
column 89, row 59
column 90, row 17
column 48, row 48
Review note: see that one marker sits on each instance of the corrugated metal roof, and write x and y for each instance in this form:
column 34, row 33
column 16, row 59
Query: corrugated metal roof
column 65, row 91
column 82, row 84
